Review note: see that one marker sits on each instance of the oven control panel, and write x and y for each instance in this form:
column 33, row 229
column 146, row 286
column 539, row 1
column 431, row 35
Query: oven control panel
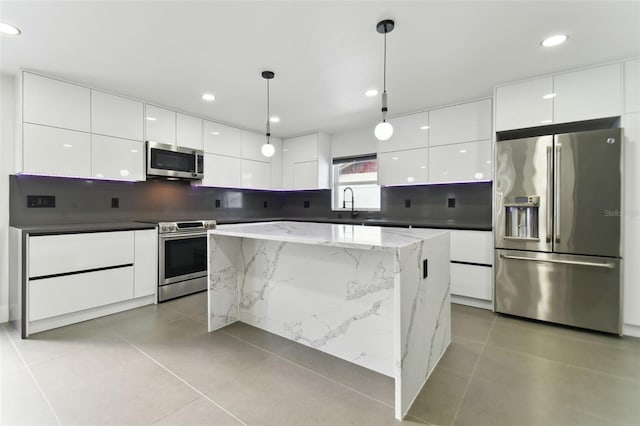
column 187, row 226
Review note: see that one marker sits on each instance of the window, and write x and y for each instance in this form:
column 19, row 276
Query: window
column 361, row 175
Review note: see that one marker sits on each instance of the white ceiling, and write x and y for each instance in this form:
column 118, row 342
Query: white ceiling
column 325, row 54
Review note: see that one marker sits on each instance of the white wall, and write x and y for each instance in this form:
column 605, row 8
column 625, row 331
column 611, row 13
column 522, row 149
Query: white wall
column 354, row 142
column 7, row 127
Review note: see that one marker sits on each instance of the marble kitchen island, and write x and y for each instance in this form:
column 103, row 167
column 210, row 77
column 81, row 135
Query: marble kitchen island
column 374, row 296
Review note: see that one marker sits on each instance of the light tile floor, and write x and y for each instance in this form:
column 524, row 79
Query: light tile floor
column 158, row 365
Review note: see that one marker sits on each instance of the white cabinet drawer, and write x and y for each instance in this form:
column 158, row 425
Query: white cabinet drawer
column 472, row 246
column 56, row 254
column 50, row 297
column 471, row 281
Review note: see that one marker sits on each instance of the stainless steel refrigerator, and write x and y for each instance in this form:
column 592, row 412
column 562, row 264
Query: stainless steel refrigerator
column 558, row 228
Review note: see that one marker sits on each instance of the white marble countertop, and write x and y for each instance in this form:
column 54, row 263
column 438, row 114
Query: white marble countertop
column 329, row 234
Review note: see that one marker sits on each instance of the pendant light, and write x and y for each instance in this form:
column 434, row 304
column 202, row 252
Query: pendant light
column 384, row 129
column 267, row 149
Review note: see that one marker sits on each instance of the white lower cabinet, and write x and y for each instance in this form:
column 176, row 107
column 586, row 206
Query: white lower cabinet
column 145, row 263
column 472, row 267
column 472, row 281
column 403, row 167
column 75, row 277
column 460, row 162
column 115, row 158
column 53, row 151
column 223, row 171
column 55, row 296
column 256, row 174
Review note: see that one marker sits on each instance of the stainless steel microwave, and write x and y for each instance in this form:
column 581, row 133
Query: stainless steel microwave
column 174, row 162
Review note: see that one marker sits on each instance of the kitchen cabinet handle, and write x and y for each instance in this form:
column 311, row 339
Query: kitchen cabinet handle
column 607, row 265
column 556, row 190
column 549, row 202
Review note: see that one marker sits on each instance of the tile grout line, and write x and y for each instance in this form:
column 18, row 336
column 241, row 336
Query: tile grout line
column 473, row 371
column 198, row 391
column 312, row 371
column 44, row 396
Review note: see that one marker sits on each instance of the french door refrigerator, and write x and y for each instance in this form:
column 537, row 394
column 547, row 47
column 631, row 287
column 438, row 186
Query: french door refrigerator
column 558, row 228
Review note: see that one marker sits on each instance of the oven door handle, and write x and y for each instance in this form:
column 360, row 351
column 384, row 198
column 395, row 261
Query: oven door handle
column 182, row 236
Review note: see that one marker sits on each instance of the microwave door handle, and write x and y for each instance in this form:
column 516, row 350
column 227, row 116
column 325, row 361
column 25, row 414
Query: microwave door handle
column 549, row 192
column 556, row 190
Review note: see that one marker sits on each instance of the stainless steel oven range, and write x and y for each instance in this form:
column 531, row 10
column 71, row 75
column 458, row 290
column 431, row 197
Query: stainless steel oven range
column 182, row 263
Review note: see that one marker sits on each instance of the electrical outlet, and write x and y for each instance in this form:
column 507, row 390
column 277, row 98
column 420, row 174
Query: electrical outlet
column 451, row 203
column 407, row 204
column 264, row 204
column 306, row 204
column 217, row 203
column 38, row 201
column 115, row 203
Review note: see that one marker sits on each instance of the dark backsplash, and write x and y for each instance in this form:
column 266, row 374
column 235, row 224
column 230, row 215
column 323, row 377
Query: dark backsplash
column 90, row 201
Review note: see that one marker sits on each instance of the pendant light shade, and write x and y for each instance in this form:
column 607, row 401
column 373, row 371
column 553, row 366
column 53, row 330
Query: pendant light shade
column 267, row 149
column 384, row 129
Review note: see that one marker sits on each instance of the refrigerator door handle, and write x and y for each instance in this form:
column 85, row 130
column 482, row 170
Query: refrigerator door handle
column 549, row 194
column 607, row 265
column 556, row 191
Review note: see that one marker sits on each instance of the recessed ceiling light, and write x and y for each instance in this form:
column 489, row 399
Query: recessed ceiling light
column 209, row 97
column 151, row 118
column 424, row 127
column 554, row 40
column 371, row 92
column 215, row 133
column 274, row 119
column 549, row 96
column 9, row 29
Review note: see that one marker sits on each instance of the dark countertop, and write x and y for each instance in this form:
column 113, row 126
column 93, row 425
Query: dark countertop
column 433, row 223
column 84, row 227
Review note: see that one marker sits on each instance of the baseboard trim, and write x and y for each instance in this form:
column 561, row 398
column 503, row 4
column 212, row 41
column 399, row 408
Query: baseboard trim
column 75, row 317
column 470, row 301
column 631, row 330
column 4, row 314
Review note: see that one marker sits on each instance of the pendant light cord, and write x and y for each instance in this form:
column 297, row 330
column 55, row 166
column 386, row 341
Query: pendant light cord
column 268, row 116
column 384, row 72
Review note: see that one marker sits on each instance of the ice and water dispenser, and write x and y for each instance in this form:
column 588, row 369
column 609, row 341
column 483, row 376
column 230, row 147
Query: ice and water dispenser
column 521, row 215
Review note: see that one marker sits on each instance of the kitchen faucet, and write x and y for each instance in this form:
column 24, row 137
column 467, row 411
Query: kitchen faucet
column 344, row 201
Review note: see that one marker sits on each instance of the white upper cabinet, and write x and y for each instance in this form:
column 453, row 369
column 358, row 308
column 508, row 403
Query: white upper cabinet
column 222, row 171
column 525, row 104
column 56, row 103
column 160, row 125
column 632, row 86
column 305, row 175
column 276, row 164
column 221, row 139
column 58, row 152
column 460, row 162
column 256, row 174
column 588, row 94
column 410, row 131
column 466, row 122
column 115, row 158
column 353, row 142
column 306, row 162
column 408, row 167
column 189, row 131
column 252, row 146
column 116, row 116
